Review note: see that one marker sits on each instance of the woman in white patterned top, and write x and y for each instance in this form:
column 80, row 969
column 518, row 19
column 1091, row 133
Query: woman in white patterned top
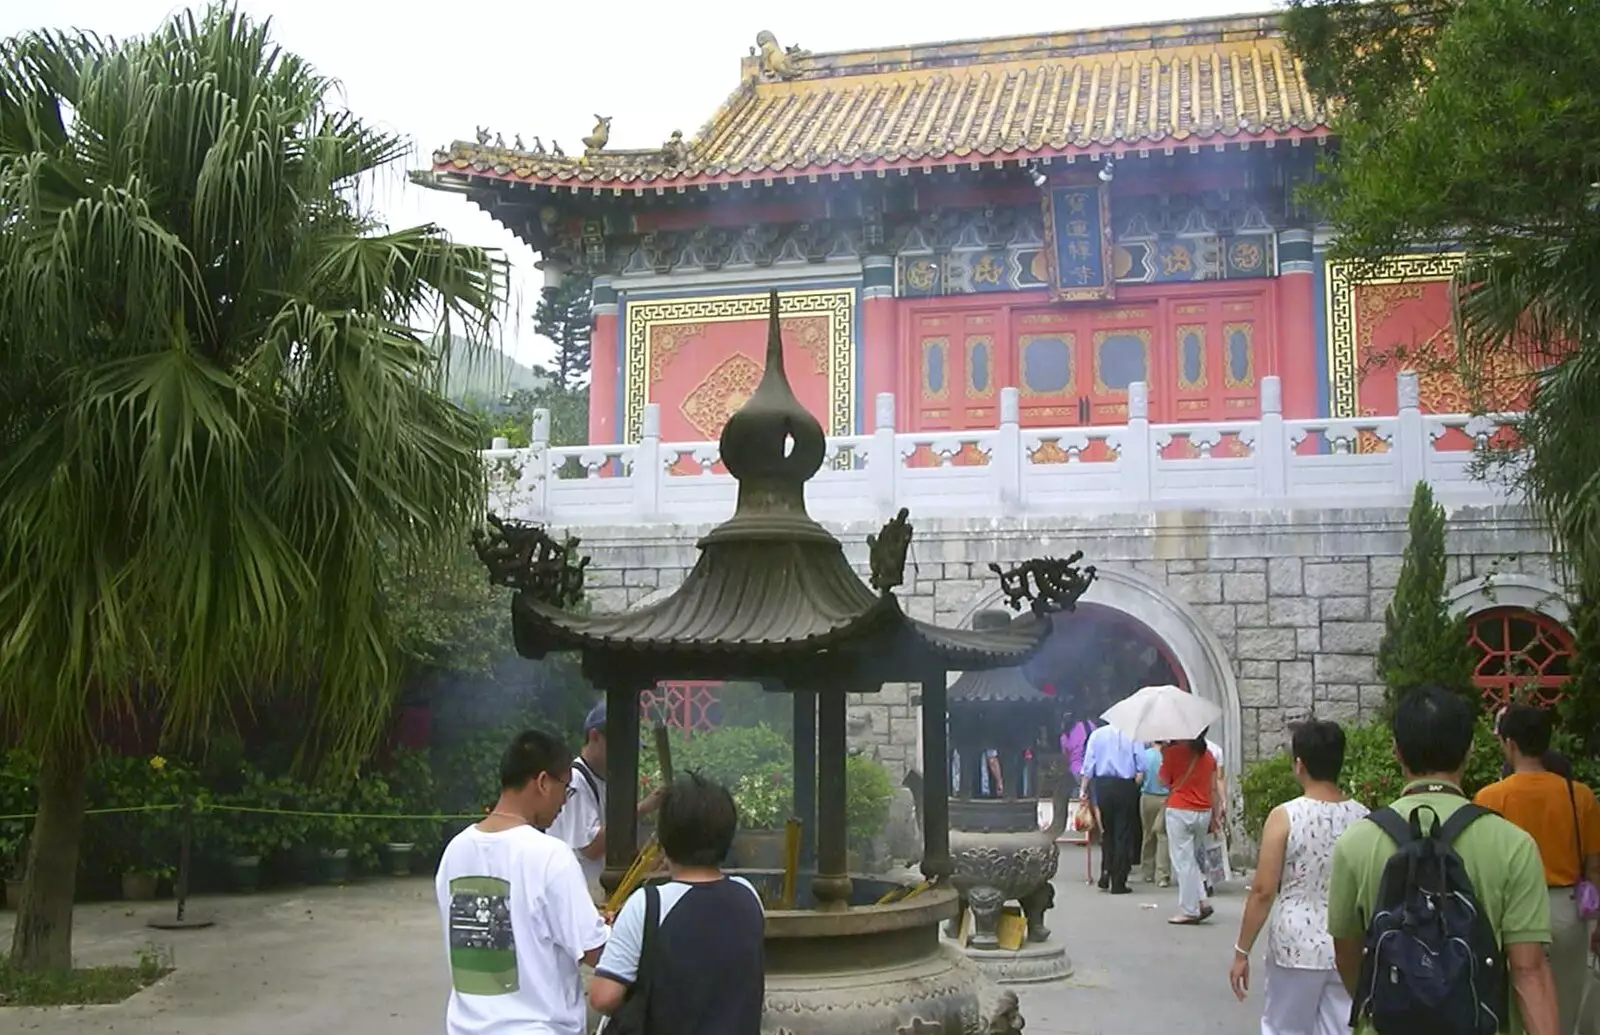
column 1304, row 995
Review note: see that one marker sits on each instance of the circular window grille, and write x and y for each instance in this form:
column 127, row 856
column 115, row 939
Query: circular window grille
column 1521, row 654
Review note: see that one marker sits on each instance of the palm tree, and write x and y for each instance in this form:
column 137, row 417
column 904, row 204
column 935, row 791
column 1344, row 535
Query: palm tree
column 220, row 420
column 1538, row 299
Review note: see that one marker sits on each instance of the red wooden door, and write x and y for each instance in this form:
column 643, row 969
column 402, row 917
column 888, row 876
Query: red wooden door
column 1121, row 351
column 1046, row 366
column 1216, row 357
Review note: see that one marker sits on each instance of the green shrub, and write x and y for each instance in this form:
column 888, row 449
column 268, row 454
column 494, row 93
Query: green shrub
column 1423, row 641
column 867, row 790
column 18, row 797
column 762, row 759
column 1371, row 773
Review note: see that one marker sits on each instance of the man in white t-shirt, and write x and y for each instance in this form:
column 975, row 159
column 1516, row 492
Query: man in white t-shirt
column 518, row 916
column 582, row 823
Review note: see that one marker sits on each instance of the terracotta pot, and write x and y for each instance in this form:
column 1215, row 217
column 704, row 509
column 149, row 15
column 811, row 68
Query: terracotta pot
column 139, row 887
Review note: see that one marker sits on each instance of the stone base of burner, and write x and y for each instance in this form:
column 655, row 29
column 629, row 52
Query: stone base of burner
column 1034, row 963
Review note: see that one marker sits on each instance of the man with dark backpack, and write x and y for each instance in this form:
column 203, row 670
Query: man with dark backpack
column 1437, row 907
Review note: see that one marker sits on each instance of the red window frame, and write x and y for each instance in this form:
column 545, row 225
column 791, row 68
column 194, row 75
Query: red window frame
column 1520, row 653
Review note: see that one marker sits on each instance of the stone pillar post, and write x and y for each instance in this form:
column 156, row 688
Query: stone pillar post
column 805, row 775
column 832, row 882
column 622, row 783
column 936, row 864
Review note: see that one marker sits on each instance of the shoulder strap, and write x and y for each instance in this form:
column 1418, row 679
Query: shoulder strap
column 1577, row 825
column 1459, row 820
column 1184, row 779
column 1393, row 824
column 647, row 943
column 588, row 777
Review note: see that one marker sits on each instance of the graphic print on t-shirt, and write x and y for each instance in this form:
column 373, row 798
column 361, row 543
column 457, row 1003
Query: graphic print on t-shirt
column 483, row 953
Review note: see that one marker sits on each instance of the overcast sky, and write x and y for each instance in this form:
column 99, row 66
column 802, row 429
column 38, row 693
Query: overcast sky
column 434, row 71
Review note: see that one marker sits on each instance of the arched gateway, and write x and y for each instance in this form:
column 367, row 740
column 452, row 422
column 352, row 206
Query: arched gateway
column 1197, row 653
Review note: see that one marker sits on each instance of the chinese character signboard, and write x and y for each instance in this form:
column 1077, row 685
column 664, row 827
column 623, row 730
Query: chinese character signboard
column 1077, row 223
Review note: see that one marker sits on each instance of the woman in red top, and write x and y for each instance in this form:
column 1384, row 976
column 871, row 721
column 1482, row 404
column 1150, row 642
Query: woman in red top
column 1189, row 769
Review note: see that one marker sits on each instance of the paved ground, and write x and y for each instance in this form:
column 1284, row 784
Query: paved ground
column 368, row 959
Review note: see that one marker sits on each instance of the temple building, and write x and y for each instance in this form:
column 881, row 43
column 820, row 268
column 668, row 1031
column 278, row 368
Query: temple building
column 1067, row 214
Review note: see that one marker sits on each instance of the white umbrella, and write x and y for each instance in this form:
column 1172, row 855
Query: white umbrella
column 1162, row 713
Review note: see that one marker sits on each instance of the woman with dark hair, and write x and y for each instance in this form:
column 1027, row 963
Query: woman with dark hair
column 1303, row 992
column 1073, row 741
column 705, row 970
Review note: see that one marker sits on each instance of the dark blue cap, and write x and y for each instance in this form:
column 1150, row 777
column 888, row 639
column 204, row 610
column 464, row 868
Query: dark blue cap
column 596, row 719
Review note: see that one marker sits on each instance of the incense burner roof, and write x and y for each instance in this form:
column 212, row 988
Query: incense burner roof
column 797, row 114
column 771, row 595
column 988, row 686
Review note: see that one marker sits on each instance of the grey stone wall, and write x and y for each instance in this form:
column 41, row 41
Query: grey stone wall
column 1293, row 601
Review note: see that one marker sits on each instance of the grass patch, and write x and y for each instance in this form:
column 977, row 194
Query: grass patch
column 81, row 986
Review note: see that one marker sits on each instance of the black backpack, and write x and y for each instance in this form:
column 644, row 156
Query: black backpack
column 1431, row 964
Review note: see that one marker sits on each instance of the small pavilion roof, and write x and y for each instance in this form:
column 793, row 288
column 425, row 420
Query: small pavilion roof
column 970, row 102
column 771, row 594
column 986, row 686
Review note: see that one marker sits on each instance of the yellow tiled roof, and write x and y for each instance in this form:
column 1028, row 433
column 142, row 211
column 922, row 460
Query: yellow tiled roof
column 1151, row 86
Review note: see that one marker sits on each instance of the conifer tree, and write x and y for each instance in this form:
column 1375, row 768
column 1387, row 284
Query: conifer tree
column 1423, row 643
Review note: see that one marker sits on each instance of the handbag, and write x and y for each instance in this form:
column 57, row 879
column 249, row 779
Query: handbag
column 1584, row 893
column 633, row 1016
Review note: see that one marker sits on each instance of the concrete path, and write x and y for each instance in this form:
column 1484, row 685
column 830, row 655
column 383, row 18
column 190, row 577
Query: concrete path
column 1135, row 973
column 368, row 959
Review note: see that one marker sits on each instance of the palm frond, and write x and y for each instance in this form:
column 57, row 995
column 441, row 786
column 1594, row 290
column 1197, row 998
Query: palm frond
column 227, row 426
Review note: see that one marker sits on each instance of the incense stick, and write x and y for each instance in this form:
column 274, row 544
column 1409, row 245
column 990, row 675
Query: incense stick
column 634, row 875
column 791, row 860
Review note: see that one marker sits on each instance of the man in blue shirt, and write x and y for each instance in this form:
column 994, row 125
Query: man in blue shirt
column 1114, row 763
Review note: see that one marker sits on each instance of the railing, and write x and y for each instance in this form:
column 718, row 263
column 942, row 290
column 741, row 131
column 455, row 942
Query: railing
column 1017, row 471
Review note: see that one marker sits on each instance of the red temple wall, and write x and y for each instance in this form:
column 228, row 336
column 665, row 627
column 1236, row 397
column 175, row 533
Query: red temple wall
column 700, row 357
column 1406, row 325
column 701, row 373
column 1202, row 350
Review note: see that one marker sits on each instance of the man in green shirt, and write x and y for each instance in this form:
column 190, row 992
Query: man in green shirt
column 1433, row 730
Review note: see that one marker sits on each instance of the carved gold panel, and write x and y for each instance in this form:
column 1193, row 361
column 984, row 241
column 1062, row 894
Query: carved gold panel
column 828, row 343
column 1343, row 359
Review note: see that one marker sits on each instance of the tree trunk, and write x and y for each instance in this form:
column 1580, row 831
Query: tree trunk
column 43, row 936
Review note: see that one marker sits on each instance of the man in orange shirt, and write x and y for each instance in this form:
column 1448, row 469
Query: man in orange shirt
column 1564, row 820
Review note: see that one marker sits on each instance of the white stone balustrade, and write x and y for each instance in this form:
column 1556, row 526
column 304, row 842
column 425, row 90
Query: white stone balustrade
column 1012, row 471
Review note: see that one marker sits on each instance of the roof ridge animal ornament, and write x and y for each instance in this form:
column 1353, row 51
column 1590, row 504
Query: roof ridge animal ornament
column 1050, row 585
column 675, row 152
column 598, row 137
column 776, row 62
column 526, row 558
column 887, row 552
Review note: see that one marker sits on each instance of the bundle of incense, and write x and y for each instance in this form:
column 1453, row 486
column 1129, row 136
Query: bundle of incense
column 791, row 860
column 900, row 893
column 635, row 874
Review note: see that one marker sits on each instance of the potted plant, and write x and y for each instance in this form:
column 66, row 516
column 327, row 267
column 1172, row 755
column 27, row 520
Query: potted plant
column 415, row 794
column 141, row 883
column 765, row 802
column 332, row 832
